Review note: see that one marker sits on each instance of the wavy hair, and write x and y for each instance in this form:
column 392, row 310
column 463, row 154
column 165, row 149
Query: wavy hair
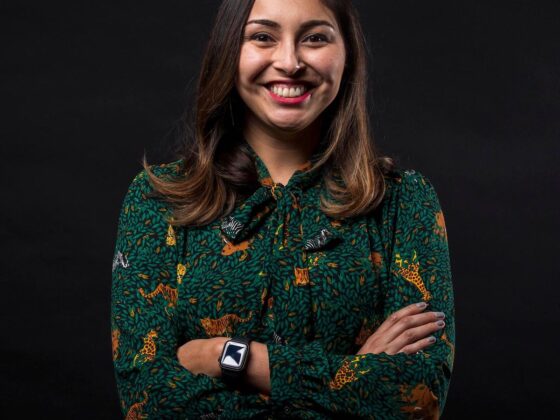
column 218, row 171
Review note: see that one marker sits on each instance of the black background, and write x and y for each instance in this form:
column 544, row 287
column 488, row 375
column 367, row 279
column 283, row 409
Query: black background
column 464, row 92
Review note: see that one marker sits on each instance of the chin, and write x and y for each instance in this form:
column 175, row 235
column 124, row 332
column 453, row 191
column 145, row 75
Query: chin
column 289, row 127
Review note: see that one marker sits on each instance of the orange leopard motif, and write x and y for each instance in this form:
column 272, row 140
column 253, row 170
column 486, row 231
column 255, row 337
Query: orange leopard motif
column 181, row 271
column 171, row 239
column 409, row 271
column 115, row 335
column 347, row 373
column 440, row 228
column 421, row 402
column 229, row 248
column 169, row 294
column 135, row 411
column 222, row 326
column 301, row 276
column 148, row 351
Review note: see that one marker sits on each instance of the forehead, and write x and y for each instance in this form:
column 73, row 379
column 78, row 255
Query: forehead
column 291, row 11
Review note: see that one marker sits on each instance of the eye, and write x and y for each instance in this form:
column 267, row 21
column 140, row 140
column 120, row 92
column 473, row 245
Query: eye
column 261, row 37
column 316, row 38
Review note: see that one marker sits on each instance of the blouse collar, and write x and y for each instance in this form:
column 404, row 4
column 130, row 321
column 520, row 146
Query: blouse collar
column 302, row 178
column 239, row 224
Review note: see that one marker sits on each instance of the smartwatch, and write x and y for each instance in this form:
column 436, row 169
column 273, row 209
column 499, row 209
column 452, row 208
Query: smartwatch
column 234, row 358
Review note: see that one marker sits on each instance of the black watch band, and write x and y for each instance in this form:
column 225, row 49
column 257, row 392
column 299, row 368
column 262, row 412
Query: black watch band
column 234, row 359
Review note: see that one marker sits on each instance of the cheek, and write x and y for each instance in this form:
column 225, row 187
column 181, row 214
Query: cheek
column 251, row 63
column 330, row 64
column 334, row 65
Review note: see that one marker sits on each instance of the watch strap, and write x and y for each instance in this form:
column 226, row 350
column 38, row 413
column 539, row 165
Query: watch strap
column 231, row 376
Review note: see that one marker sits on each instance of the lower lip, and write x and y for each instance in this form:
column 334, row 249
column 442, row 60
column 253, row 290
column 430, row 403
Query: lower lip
column 291, row 101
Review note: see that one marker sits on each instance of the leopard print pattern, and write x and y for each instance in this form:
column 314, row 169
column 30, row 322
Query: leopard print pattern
column 409, row 271
column 347, row 373
column 171, row 238
column 181, row 271
column 148, row 351
column 222, row 326
column 135, row 410
column 168, row 293
column 301, row 276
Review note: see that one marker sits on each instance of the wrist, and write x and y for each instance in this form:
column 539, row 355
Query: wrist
column 258, row 372
column 216, row 351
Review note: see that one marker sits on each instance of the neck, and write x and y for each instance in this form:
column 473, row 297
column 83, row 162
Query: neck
column 282, row 151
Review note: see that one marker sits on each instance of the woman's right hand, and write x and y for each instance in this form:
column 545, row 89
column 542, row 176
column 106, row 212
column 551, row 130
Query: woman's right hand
column 407, row 330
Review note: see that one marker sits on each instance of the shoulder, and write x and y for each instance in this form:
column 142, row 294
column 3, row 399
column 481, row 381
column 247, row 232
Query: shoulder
column 409, row 200
column 144, row 231
column 142, row 184
column 407, row 191
column 408, row 184
column 140, row 197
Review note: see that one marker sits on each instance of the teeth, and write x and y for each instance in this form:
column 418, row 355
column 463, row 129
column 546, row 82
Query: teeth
column 288, row 92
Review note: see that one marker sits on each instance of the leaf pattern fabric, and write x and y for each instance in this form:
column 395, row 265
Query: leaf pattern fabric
column 280, row 271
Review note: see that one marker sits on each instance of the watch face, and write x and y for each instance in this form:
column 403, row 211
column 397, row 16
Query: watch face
column 234, row 355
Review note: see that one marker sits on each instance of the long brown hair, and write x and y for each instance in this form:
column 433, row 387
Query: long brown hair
column 217, row 169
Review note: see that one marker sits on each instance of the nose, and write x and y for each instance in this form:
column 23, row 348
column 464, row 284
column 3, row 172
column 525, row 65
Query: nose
column 286, row 58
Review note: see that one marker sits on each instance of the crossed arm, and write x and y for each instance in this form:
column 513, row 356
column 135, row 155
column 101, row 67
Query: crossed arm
column 407, row 330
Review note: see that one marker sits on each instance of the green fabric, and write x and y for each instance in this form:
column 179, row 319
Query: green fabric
column 280, row 271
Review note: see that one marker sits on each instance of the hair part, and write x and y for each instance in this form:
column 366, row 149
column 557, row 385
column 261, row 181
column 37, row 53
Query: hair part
column 218, row 171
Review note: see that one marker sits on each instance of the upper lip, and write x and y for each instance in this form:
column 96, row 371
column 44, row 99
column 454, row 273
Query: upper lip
column 292, row 82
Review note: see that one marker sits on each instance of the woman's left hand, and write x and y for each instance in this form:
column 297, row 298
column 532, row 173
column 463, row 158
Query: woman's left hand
column 200, row 356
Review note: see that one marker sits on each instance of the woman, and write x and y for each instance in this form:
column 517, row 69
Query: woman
column 281, row 228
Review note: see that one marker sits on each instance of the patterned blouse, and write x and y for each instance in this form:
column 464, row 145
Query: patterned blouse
column 280, row 271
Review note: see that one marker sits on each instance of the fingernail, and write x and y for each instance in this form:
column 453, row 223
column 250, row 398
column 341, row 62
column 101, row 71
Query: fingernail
column 421, row 304
column 440, row 315
column 440, row 323
column 431, row 339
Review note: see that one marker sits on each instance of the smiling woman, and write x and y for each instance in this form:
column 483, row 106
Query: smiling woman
column 281, row 268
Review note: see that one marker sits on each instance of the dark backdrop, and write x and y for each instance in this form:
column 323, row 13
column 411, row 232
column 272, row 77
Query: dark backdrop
column 464, row 92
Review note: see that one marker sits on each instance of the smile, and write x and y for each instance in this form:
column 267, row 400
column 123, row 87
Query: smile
column 289, row 94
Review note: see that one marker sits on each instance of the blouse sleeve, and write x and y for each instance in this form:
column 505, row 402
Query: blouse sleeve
column 145, row 335
column 313, row 383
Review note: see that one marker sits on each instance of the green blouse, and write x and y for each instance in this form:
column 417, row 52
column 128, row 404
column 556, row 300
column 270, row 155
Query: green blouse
column 280, row 271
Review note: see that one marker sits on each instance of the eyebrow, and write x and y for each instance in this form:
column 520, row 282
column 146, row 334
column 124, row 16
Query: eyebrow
column 304, row 25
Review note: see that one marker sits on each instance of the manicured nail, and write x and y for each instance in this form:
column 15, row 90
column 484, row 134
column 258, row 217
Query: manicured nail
column 440, row 315
column 421, row 304
column 440, row 323
column 431, row 339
